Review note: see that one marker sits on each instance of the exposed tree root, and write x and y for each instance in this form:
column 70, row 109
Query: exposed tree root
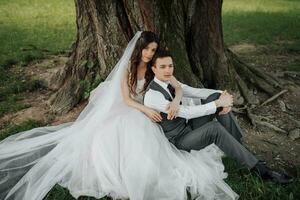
column 239, row 110
column 269, row 142
column 271, row 126
column 245, row 91
column 262, row 121
column 274, row 97
column 249, row 78
column 254, row 77
column 295, row 76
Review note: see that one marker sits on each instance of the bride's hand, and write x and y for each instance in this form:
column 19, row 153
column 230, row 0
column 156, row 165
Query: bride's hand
column 153, row 115
column 172, row 110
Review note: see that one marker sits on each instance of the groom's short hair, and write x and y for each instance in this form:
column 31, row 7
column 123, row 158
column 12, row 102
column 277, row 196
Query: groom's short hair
column 161, row 53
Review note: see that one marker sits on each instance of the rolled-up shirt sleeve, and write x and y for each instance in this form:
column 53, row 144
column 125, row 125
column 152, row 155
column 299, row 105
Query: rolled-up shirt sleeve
column 156, row 100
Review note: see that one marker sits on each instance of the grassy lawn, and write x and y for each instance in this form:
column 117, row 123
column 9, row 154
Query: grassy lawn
column 11, row 85
column 32, row 29
column 274, row 23
column 261, row 22
column 10, row 129
column 251, row 187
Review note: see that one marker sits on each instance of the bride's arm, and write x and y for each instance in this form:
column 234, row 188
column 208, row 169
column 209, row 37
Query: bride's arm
column 174, row 105
column 151, row 113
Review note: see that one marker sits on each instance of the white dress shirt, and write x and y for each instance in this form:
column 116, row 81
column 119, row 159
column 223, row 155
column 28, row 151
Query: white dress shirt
column 156, row 100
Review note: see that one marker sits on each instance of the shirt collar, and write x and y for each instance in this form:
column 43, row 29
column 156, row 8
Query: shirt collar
column 162, row 83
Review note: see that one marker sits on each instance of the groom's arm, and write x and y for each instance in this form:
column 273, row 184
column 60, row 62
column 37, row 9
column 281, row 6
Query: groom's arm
column 201, row 93
column 156, row 100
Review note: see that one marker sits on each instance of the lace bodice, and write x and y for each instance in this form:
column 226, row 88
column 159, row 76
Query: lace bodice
column 139, row 87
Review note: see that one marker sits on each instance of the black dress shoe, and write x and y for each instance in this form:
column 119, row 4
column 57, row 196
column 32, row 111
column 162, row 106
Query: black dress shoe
column 278, row 177
column 262, row 170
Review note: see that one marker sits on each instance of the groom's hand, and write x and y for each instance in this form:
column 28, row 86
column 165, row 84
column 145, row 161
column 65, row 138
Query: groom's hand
column 225, row 110
column 172, row 109
column 225, row 100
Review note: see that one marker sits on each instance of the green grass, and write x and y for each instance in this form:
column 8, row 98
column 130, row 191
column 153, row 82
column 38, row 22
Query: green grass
column 31, row 28
column 247, row 185
column 251, row 187
column 267, row 22
column 60, row 193
column 11, row 128
column 11, row 85
column 294, row 67
column 11, row 104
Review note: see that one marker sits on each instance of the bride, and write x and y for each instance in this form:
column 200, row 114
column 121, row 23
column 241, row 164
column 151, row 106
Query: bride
column 112, row 148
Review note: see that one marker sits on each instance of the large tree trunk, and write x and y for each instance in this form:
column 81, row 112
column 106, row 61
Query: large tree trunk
column 191, row 29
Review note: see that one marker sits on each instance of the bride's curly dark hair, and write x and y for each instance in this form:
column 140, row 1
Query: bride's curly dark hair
column 146, row 38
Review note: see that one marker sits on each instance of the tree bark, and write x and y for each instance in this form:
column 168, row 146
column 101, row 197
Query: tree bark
column 191, row 29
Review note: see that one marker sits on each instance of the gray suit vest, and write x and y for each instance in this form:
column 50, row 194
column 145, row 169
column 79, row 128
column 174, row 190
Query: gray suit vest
column 172, row 128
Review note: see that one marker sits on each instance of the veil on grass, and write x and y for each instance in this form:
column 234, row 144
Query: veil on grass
column 21, row 151
column 111, row 150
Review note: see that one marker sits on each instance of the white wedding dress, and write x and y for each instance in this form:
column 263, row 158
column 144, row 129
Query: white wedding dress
column 111, row 149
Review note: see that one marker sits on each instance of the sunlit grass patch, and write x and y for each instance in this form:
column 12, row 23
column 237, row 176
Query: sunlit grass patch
column 261, row 21
column 31, row 28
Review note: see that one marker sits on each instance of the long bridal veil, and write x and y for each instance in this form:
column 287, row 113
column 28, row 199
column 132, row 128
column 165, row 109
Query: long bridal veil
column 20, row 152
column 110, row 149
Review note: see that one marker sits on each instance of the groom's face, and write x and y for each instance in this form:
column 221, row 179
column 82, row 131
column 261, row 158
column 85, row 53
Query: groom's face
column 163, row 68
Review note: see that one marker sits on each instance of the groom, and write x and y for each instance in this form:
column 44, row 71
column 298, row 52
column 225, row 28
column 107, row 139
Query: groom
column 194, row 128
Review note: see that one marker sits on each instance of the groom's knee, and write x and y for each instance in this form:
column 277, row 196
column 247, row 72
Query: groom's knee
column 212, row 97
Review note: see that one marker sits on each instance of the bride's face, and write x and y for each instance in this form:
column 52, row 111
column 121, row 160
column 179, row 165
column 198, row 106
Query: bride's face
column 148, row 52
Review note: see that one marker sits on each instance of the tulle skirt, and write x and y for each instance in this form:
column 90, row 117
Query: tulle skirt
column 124, row 156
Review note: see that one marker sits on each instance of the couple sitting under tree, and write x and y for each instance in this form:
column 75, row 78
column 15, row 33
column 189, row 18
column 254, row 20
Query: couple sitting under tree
column 134, row 139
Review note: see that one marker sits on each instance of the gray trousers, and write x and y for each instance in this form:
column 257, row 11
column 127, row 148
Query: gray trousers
column 225, row 133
